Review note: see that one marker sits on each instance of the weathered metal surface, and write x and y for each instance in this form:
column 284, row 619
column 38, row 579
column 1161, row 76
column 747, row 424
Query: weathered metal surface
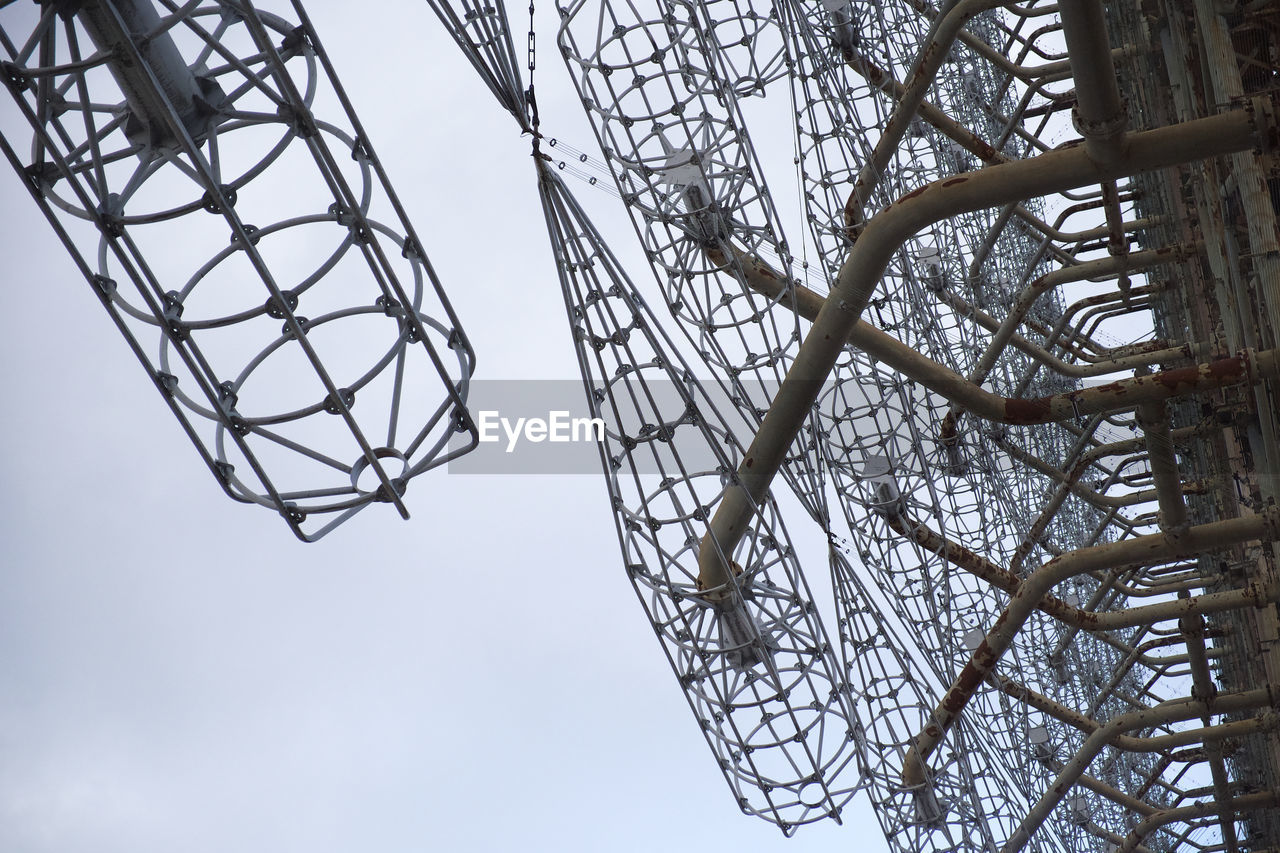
column 1027, row 357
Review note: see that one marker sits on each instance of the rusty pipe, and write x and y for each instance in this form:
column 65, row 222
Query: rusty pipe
column 945, row 124
column 1164, row 467
column 1149, row 824
column 970, row 141
column 1083, row 462
column 1177, row 710
column 1192, row 628
column 884, row 234
column 1077, row 617
column 1024, row 601
column 1099, row 113
column 1060, row 331
column 923, row 71
column 1027, row 298
column 1092, row 496
column 1116, row 396
column 1245, row 368
column 1111, row 363
column 1117, row 239
column 1039, row 528
column 1151, row 743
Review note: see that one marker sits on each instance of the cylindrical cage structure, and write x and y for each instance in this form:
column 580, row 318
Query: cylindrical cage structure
column 206, row 171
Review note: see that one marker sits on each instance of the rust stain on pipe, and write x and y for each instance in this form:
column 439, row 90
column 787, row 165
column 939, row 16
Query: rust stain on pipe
column 860, row 274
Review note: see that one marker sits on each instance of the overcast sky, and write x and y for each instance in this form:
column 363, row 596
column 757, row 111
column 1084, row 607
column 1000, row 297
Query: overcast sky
column 181, row 674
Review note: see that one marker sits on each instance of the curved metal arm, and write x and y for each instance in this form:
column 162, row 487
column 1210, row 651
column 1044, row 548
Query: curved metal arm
column 1249, row 802
column 1142, row 549
column 861, row 272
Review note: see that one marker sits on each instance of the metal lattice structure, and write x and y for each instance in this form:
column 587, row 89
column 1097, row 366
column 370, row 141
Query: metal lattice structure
column 1016, row 365
column 186, row 124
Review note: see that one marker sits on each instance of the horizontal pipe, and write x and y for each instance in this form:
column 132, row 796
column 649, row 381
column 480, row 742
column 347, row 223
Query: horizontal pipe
column 764, row 279
column 1092, row 496
column 1087, row 350
column 857, row 279
column 1042, row 285
column 1246, row 367
column 1078, row 617
column 1132, row 743
column 1246, row 803
column 1025, row 600
column 1178, row 710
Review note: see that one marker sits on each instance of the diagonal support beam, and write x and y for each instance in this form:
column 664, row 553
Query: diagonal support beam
column 1142, row 550
column 1052, row 172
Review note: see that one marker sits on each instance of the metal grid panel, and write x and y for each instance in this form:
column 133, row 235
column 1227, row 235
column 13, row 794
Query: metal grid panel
column 301, row 337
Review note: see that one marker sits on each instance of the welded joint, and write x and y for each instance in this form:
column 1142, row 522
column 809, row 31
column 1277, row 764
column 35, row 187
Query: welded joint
column 719, row 593
column 1100, row 113
column 1102, row 130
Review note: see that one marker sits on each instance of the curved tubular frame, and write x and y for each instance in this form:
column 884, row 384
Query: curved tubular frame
column 885, row 233
column 1167, row 712
column 1142, row 550
column 1152, row 822
column 211, row 105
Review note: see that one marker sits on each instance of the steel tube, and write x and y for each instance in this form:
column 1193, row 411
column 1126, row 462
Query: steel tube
column 808, row 303
column 1117, row 239
column 924, row 69
column 1099, row 113
column 1027, row 298
column 1133, row 743
column 858, row 277
column 969, row 395
column 1245, row 368
column 926, row 110
column 1115, row 795
column 1102, row 832
column 1149, row 824
column 885, row 233
column 1177, row 710
column 1078, row 617
column 1074, row 341
column 1077, row 488
column 1112, row 363
column 1192, row 628
column 1024, row 601
column 969, row 140
column 142, row 30
column 1164, row 467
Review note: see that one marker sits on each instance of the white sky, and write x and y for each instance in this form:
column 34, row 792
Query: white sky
column 181, row 674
